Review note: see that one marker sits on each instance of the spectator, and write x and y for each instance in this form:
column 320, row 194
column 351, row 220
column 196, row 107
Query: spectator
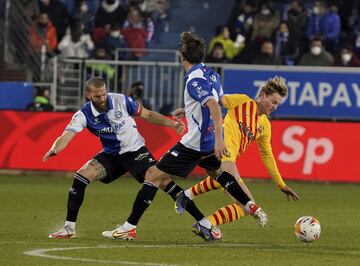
column 231, row 48
column 137, row 30
column 347, row 58
column 137, row 92
column 297, row 20
column 318, row 56
column 113, row 41
column 58, row 14
column 241, row 20
column 43, row 33
column 86, row 13
column 75, row 43
column 111, row 12
column 104, row 70
column 324, row 24
column 41, row 101
column 265, row 23
column 267, row 56
column 217, row 54
column 285, row 46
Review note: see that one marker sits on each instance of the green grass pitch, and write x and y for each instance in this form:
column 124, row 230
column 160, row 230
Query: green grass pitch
column 33, row 206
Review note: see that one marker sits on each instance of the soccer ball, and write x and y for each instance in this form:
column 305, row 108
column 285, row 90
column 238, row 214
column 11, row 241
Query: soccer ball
column 307, row 228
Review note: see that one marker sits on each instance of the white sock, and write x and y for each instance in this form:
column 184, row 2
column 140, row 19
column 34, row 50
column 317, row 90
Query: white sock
column 70, row 224
column 189, row 194
column 247, row 206
column 206, row 223
column 127, row 226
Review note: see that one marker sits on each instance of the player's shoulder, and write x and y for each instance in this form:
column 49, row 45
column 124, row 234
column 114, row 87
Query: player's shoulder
column 240, row 98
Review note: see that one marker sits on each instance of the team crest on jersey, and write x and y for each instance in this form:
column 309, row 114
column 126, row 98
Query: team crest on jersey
column 118, row 114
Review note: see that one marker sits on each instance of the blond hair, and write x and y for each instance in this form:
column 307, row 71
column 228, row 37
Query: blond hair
column 96, row 82
column 275, row 85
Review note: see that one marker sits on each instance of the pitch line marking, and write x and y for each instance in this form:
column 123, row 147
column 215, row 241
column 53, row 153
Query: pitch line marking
column 268, row 247
column 41, row 253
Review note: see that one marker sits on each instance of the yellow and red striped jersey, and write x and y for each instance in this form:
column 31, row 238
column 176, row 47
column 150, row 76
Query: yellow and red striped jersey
column 243, row 111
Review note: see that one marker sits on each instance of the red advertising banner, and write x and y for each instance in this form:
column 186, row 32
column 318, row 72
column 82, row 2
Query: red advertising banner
column 320, row 151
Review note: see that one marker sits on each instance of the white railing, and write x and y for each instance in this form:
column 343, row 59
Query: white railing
column 163, row 81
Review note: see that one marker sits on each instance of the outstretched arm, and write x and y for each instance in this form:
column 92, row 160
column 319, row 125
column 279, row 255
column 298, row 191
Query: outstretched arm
column 59, row 144
column 220, row 148
column 159, row 119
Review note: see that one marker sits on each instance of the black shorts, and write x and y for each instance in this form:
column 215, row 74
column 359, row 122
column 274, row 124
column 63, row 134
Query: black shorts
column 135, row 162
column 180, row 161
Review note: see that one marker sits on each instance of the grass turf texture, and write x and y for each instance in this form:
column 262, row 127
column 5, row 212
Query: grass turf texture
column 34, row 206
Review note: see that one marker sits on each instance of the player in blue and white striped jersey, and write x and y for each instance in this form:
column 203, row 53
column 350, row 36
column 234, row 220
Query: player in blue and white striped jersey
column 202, row 145
column 110, row 117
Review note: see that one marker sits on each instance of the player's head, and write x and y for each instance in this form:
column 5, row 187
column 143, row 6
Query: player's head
column 192, row 48
column 271, row 95
column 96, row 92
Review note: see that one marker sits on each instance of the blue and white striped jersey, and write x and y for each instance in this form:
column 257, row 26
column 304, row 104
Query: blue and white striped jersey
column 202, row 84
column 116, row 128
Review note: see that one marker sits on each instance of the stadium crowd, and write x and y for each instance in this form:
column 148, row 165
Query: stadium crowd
column 287, row 32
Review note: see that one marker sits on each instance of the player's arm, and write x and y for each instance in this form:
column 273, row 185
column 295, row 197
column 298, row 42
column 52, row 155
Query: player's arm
column 215, row 112
column 229, row 101
column 159, row 119
column 59, row 144
column 268, row 159
column 178, row 114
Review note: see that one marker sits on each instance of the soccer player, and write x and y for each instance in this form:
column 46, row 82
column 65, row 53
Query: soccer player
column 246, row 121
column 202, row 145
column 110, row 117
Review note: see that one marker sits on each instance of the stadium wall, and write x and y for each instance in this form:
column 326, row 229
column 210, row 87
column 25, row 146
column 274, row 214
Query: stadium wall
column 317, row 151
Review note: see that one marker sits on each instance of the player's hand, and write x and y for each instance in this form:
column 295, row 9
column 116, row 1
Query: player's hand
column 220, row 149
column 289, row 192
column 49, row 154
column 179, row 127
column 178, row 114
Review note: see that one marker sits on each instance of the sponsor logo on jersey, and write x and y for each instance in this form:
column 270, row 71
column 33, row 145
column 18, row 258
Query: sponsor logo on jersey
column 246, row 131
column 112, row 129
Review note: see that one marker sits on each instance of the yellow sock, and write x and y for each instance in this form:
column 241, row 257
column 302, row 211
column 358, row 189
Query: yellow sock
column 227, row 214
column 205, row 185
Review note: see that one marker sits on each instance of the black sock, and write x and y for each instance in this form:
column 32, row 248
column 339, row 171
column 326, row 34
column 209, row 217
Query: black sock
column 76, row 197
column 229, row 183
column 173, row 189
column 143, row 200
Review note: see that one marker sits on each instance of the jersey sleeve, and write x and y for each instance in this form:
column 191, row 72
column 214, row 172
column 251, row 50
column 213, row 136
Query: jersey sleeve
column 267, row 156
column 200, row 90
column 232, row 100
column 77, row 123
column 132, row 107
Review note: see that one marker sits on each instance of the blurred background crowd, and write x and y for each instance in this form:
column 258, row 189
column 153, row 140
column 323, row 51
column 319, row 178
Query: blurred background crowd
column 297, row 32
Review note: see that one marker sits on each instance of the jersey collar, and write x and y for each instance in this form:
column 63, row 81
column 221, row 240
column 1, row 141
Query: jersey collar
column 193, row 68
column 110, row 105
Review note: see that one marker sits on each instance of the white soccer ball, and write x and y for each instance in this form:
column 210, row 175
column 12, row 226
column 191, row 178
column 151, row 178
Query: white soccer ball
column 307, row 228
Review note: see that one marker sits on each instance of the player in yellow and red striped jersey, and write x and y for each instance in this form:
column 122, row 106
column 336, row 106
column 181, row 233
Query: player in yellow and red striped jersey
column 246, row 121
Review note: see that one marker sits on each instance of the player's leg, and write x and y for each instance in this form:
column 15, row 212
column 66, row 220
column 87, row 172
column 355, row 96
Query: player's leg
column 239, row 191
column 231, row 212
column 205, row 185
column 93, row 170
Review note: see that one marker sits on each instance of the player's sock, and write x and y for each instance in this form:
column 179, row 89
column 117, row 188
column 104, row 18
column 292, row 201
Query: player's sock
column 229, row 183
column 227, row 214
column 128, row 226
column 76, row 197
column 173, row 189
column 205, row 185
column 143, row 200
column 70, row 224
